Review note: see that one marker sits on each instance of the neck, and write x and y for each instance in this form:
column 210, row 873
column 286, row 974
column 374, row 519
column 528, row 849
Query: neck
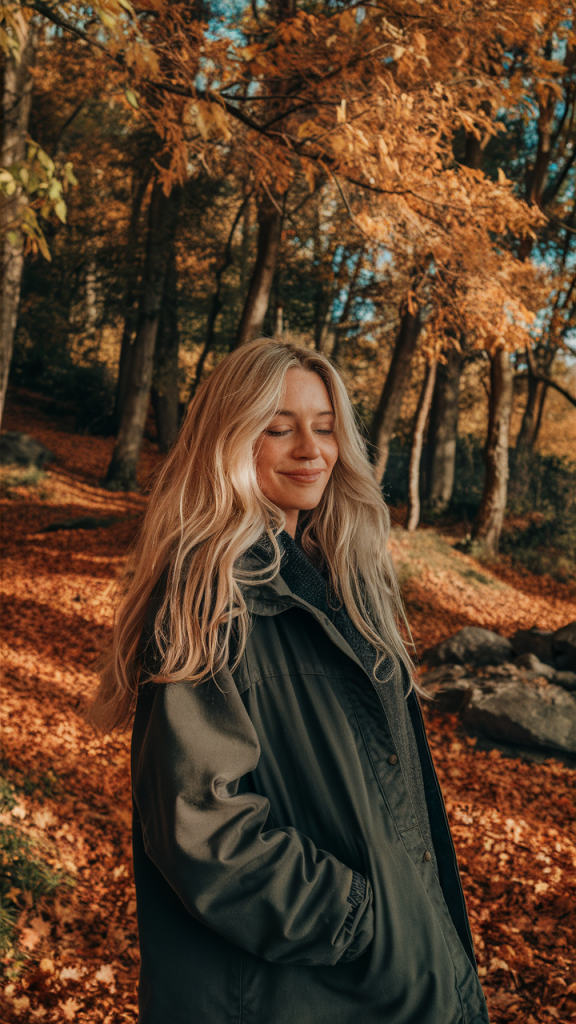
column 291, row 521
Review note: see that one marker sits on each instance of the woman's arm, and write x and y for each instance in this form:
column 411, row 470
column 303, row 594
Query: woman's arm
column 271, row 892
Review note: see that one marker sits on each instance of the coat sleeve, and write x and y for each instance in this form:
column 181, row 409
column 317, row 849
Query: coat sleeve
column 269, row 891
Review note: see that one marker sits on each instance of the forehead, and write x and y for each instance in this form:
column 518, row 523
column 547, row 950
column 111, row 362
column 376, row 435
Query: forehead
column 305, row 391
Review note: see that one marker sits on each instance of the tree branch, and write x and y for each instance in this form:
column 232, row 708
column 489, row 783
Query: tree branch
column 546, row 379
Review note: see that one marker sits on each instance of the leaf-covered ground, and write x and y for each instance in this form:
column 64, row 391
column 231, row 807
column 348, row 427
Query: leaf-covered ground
column 67, row 919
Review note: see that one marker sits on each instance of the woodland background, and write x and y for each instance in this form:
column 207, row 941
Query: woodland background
column 391, row 183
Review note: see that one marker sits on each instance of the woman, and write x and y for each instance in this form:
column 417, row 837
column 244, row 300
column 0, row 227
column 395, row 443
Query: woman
column 292, row 855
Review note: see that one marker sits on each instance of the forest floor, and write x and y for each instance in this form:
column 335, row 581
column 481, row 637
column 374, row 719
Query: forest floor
column 68, row 920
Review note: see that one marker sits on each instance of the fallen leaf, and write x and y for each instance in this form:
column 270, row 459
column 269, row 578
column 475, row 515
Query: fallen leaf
column 70, row 1009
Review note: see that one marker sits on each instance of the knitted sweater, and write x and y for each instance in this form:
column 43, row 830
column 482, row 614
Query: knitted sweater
column 306, row 582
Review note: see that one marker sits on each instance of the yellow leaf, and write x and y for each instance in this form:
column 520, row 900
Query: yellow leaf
column 69, row 173
column 45, row 161
column 107, row 19
column 60, row 210
column 132, row 98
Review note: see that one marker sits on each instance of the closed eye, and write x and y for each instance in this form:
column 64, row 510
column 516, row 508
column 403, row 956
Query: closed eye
column 283, row 433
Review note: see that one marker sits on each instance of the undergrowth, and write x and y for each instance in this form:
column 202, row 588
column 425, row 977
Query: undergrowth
column 14, row 477
column 540, row 529
column 25, row 874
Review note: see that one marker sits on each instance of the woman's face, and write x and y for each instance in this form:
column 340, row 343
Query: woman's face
column 298, row 450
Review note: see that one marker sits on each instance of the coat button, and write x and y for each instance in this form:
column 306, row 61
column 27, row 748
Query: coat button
column 392, row 759
column 427, row 855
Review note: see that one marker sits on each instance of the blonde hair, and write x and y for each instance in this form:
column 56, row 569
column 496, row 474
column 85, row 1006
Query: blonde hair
column 206, row 510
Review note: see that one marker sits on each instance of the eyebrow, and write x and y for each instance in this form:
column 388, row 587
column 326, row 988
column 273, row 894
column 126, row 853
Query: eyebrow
column 287, row 412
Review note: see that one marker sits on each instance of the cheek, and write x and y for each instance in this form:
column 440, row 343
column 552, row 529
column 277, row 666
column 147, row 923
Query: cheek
column 265, row 459
column 331, row 454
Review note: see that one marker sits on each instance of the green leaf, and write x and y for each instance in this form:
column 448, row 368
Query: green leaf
column 69, row 172
column 132, row 98
column 34, row 183
column 24, row 175
column 60, row 210
column 55, row 189
column 45, row 162
column 14, row 238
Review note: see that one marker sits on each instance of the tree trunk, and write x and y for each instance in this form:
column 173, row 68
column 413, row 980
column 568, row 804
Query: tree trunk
column 424, row 403
column 216, row 301
column 541, row 401
column 490, row 518
column 390, row 404
column 340, row 327
column 165, row 391
column 130, row 312
column 443, row 431
column 527, row 434
column 162, row 219
column 17, row 84
column 258, row 297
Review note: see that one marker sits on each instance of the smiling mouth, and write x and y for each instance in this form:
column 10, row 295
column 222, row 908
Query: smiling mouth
column 305, row 476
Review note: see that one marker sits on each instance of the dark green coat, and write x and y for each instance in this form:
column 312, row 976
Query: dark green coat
column 256, row 797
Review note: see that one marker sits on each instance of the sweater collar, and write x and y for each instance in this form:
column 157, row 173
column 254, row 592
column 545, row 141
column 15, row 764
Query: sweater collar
column 275, row 596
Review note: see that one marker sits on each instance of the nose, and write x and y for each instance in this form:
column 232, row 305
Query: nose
column 306, row 446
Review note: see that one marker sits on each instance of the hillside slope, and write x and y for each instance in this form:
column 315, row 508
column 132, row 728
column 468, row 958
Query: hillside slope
column 68, row 922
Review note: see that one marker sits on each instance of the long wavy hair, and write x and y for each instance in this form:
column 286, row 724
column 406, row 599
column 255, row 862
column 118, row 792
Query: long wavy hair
column 206, row 510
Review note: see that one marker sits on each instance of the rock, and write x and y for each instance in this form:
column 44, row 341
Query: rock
column 18, row 449
column 524, row 714
column 534, row 641
column 81, row 523
column 471, row 645
column 564, row 647
column 567, row 680
column 536, row 667
column 448, row 687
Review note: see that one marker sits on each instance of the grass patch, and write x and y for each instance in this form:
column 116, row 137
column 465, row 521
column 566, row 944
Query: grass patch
column 435, row 552
column 15, row 477
column 477, row 577
column 25, row 874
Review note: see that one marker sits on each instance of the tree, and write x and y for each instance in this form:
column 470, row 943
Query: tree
column 422, row 411
column 141, row 181
column 165, row 391
column 443, row 431
column 390, row 402
column 490, row 519
column 16, row 100
column 162, row 219
column 268, row 246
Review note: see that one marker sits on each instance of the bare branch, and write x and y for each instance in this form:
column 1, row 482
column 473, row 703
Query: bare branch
column 546, row 379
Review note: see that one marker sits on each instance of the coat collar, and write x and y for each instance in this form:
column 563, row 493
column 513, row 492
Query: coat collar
column 274, row 597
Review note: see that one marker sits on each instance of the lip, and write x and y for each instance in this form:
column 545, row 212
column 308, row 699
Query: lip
column 306, row 476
